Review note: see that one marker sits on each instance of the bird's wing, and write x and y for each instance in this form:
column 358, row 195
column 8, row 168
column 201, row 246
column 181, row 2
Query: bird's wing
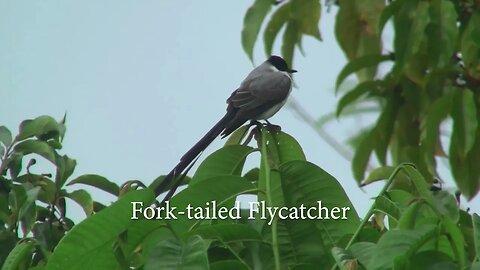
column 256, row 91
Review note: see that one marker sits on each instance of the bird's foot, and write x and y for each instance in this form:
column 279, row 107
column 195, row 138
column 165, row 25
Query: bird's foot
column 272, row 127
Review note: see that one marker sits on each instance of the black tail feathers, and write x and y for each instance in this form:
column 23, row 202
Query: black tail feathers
column 172, row 179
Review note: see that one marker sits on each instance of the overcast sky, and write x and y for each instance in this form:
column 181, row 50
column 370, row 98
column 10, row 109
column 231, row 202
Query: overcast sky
column 142, row 81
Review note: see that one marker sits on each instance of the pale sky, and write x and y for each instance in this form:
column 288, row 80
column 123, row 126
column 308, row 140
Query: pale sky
column 142, row 81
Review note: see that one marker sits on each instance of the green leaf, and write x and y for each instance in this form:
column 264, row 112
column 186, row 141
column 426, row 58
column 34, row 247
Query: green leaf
column 476, row 233
column 82, row 198
column 173, row 254
column 446, row 204
column 14, row 164
column 251, row 24
column 220, row 189
column 384, row 128
column 5, row 136
column 409, row 23
column 228, row 265
column 305, row 183
column 228, row 160
column 278, row 19
column 371, row 60
column 421, row 185
column 41, row 126
column 31, row 197
column 387, row 206
column 410, row 216
column 432, row 260
column 357, row 92
column 65, row 168
column 343, row 258
column 377, row 174
column 362, row 157
column 395, row 244
column 307, row 15
column 363, row 251
column 89, row 244
column 238, row 135
column 387, row 13
column 437, row 112
column 456, row 240
column 20, row 254
column 464, row 152
column 37, row 147
column 227, row 233
column 290, row 37
column 97, row 181
column 282, row 148
column 356, row 30
column 464, row 122
column 470, row 48
column 442, row 32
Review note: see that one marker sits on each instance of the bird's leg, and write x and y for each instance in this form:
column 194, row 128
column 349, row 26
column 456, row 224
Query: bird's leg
column 255, row 123
column 273, row 127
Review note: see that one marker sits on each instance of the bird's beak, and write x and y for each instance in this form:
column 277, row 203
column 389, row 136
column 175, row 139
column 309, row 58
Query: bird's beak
column 292, row 71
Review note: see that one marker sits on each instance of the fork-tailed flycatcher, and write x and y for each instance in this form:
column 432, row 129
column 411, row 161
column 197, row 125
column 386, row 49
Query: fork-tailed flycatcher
column 261, row 94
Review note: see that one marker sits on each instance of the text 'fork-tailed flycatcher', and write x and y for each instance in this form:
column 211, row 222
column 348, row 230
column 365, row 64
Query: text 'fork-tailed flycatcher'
column 260, row 95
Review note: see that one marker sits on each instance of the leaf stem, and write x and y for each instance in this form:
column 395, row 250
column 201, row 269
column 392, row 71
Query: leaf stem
column 276, row 254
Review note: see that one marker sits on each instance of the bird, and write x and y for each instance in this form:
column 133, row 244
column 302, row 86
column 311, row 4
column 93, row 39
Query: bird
column 260, row 95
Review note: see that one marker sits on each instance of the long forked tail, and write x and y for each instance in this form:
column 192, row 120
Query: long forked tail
column 172, row 179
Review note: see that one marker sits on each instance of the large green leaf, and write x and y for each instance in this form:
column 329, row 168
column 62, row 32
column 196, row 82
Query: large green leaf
column 41, row 126
column 356, row 30
column 469, row 46
column 82, row 198
column 387, row 14
column 278, row 19
column 65, row 168
column 395, row 244
column 227, row 232
column 362, row 156
column 290, row 38
column 344, row 258
column 410, row 23
column 251, row 24
column 387, row 206
column 228, row 265
column 97, row 181
column 307, row 15
column 432, row 260
column 89, row 244
column 220, row 189
column 19, row 255
column 282, row 148
column 456, row 240
column 305, row 183
column 437, row 112
column 384, row 128
column 174, row 255
column 37, row 147
column 476, row 233
column 442, row 32
column 228, row 160
column 464, row 122
column 363, row 251
column 464, row 152
column 5, row 136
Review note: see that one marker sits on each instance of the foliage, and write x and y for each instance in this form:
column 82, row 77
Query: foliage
column 425, row 228
column 432, row 75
